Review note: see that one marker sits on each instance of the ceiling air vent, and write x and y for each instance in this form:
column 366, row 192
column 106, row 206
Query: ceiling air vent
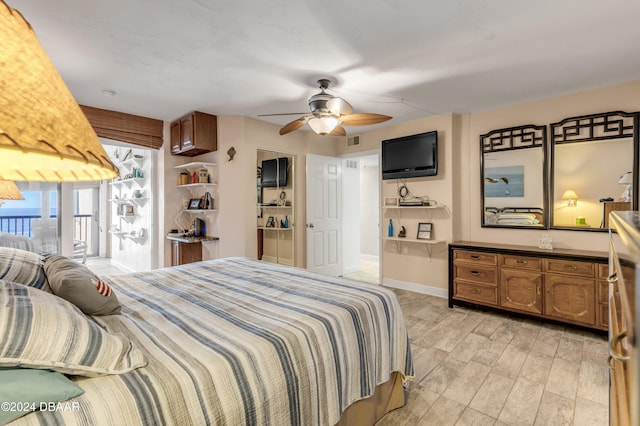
column 353, row 141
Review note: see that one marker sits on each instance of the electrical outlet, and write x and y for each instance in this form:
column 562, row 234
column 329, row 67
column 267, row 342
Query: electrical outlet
column 405, row 250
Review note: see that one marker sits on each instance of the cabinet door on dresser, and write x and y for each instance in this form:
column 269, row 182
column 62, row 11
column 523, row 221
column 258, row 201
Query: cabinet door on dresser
column 521, row 283
column 570, row 291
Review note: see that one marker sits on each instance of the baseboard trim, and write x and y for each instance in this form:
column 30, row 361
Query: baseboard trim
column 418, row 288
column 369, row 257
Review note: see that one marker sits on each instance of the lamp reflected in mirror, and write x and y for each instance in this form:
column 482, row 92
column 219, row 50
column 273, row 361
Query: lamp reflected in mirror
column 627, row 180
column 570, row 197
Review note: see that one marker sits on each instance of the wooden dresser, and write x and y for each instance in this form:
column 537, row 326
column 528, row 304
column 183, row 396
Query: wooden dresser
column 624, row 302
column 562, row 285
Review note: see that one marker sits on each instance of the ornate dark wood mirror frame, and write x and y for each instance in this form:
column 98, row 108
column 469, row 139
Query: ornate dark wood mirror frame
column 603, row 134
column 530, row 215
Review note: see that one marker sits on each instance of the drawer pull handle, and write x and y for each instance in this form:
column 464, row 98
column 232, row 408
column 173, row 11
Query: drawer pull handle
column 610, row 362
column 613, row 278
column 538, row 290
column 612, row 347
column 474, row 273
column 521, row 262
column 474, row 256
column 567, row 267
column 475, row 290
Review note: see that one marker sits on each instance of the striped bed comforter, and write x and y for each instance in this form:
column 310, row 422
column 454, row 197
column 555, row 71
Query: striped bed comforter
column 238, row 341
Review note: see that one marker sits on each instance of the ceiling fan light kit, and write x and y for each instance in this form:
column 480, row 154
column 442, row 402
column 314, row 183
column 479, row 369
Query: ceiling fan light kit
column 329, row 112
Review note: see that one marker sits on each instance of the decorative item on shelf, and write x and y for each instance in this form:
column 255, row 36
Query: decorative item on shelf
column 194, row 204
column 390, row 201
column 133, row 234
column 390, row 230
column 571, row 198
column 194, row 177
column 424, row 231
column 581, row 221
column 128, row 210
column 141, row 233
column 271, row 222
column 545, row 242
column 627, row 180
column 183, row 178
column 137, row 194
column 402, row 233
column 283, row 199
column 127, row 155
column 137, row 172
column 203, row 176
column 208, row 201
column 286, row 222
column 114, row 228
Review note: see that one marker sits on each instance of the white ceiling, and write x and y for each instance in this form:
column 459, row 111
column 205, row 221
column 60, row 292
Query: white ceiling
column 407, row 59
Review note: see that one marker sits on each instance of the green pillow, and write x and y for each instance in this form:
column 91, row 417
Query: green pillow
column 22, row 390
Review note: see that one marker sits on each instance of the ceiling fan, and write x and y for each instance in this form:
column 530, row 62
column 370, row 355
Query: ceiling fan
column 329, row 113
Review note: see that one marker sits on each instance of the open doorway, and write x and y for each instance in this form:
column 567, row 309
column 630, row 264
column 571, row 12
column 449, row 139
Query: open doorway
column 361, row 217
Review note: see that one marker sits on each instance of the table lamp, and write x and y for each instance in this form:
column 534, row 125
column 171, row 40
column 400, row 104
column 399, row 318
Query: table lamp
column 627, row 180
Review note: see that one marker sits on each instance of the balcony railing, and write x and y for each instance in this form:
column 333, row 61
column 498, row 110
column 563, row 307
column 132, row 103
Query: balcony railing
column 22, row 225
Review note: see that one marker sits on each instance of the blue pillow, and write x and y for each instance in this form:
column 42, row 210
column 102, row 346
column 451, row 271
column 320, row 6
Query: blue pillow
column 22, row 390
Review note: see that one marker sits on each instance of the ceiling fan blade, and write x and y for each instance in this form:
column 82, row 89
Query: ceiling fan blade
column 294, row 125
column 339, row 106
column 363, row 119
column 338, row 131
column 284, row 113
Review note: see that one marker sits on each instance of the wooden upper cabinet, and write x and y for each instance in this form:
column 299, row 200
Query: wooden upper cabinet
column 194, row 134
column 175, row 137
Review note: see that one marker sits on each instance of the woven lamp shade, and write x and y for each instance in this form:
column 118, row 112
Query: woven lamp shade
column 44, row 136
column 9, row 191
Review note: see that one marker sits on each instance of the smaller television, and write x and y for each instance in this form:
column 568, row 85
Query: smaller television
column 274, row 173
column 410, row 156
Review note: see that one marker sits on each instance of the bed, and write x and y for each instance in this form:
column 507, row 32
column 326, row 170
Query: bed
column 239, row 341
column 514, row 216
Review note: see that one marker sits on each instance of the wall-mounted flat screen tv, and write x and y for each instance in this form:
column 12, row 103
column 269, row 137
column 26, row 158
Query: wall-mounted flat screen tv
column 410, row 156
column 274, row 172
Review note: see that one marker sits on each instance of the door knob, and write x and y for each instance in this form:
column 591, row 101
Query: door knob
column 309, row 225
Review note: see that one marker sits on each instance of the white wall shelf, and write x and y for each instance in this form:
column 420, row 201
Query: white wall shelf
column 198, row 185
column 196, row 211
column 414, row 240
column 196, row 165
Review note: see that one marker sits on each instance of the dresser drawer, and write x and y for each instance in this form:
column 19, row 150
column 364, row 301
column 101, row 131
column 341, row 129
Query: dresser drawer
column 487, row 276
column 570, row 267
column 475, row 257
column 522, row 262
column 484, row 294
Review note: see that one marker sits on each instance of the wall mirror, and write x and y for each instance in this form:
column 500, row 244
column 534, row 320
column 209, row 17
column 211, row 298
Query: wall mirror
column 513, row 178
column 594, row 169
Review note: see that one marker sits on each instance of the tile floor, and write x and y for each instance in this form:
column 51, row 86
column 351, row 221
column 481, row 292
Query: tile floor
column 480, row 368
column 102, row 266
column 369, row 272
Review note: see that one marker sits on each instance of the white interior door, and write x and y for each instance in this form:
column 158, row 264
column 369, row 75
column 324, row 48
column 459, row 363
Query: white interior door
column 324, row 210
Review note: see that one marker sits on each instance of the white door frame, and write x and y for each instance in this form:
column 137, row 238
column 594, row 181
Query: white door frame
column 368, row 153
